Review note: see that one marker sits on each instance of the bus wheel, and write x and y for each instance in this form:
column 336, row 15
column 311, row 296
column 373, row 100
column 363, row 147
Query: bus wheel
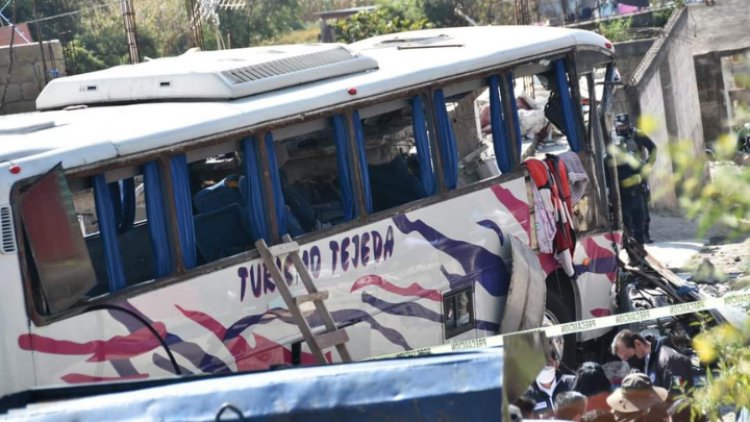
column 558, row 313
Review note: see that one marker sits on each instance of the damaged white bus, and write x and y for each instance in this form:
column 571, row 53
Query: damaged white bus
column 130, row 205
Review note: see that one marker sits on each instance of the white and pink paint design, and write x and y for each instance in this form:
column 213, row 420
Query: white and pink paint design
column 386, row 282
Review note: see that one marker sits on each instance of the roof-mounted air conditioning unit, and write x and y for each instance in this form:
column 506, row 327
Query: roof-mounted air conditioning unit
column 207, row 75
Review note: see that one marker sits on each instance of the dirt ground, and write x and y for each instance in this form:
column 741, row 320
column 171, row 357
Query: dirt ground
column 719, row 262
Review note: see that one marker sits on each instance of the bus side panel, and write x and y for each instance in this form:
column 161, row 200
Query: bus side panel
column 16, row 364
column 596, row 280
column 390, row 274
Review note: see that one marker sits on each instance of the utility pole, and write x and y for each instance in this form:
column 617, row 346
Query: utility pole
column 128, row 15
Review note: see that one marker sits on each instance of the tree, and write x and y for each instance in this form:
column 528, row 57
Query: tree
column 261, row 21
column 721, row 202
column 405, row 15
column 442, row 13
column 725, row 349
column 386, row 19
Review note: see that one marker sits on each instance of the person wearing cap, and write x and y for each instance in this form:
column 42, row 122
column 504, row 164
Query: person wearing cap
column 638, row 400
column 665, row 366
column 548, row 384
column 634, row 185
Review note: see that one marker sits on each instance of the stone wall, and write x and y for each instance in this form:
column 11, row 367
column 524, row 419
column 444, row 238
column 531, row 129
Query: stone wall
column 27, row 77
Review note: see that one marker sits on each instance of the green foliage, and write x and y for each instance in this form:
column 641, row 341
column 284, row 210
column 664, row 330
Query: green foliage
column 661, row 16
column 617, row 30
column 300, row 36
column 103, row 35
column 311, row 7
column 52, row 29
column 404, row 15
column 261, row 21
column 79, row 59
column 726, row 349
column 722, row 201
column 95, row 39
column 442, row 12
column 383, row 20
column 162, row 24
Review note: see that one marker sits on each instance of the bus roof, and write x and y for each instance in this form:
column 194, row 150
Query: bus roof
column 79, row 136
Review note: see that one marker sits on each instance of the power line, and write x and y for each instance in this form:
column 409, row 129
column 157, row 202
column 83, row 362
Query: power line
column 74, row 12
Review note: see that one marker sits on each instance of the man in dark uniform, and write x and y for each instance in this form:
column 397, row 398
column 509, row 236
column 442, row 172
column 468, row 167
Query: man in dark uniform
column 634, row 163
column 665, row 366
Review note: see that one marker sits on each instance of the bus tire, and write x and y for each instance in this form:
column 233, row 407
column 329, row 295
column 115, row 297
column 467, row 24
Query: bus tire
column 557, row 312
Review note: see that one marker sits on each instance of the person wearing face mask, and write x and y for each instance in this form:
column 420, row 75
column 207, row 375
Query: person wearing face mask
column 666, row 367
column 548, row 384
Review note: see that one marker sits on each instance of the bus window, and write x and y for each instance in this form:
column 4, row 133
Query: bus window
column 225, row 207
column 314, row 174
column 444, row 120
column 547, row 120
column 124, row 227
column 458, row 312
column 548, row 130
column 100, row 234
column 55, row 250
column 476, row 158
column 397, row 152
column 486, row 140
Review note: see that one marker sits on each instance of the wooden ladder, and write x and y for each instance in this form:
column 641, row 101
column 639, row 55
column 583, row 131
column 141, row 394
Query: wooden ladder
column 332, row 336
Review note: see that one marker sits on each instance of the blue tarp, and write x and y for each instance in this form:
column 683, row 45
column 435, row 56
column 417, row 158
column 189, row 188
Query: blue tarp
column 461, row 387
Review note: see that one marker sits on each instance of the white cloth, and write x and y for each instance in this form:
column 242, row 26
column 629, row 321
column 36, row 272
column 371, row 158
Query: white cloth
column 577, row 176
column 544, row 212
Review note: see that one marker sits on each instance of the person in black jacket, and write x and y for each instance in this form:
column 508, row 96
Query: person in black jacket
column 635, row 192
column 665, row 366
column 548, row 384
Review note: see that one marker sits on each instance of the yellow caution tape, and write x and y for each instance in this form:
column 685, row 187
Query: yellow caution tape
column 583, row 325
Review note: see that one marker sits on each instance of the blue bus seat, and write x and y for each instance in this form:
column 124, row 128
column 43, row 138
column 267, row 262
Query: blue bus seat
column 219, row 195
column 222, row 233
column 293, row 223
column 392, row 184
column 299, row 207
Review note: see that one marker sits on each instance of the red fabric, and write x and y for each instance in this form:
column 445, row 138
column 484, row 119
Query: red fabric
column 545, row 175
column 558, row 169
column 539, row 172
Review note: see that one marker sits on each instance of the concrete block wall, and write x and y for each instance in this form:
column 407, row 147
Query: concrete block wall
column 27, row 77
column 683, row 88
column 651, row 101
